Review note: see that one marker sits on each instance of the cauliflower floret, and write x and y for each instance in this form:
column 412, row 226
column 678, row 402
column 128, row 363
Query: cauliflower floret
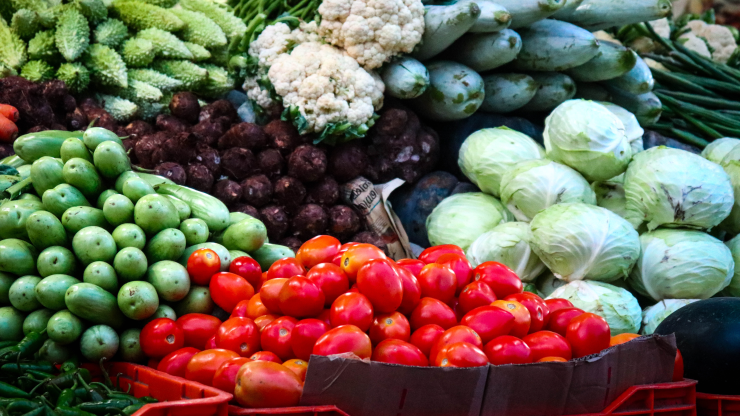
column 696, row 44
column 372, row 31
column 720, row 39
column 661, row 27
column 255, row 93
column 278, row 38
column 326, row 85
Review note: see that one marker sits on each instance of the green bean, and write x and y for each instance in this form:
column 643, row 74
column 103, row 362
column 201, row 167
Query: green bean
column 711, row 102
column 694, row 109
column 680, row 82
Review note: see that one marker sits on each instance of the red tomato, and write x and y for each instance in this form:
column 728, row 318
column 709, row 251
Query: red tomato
column 622, row 338
column 203, row 264
column 522, row 320
column 240, row 335
column 552, row 359
column 225, row 376
column 461, row 354
column 500, row 278
column 558, row 303
column 175, row 362
column 475, row 294
column 588, row 334
column 395, row 351
column 411, row 291
column 356, row 257
column 414, row 266
column 152, row 363
column 266, row 356
column 345, row 338
column 198, row 328
column 389, row 326
column 379, row 281
column 678, row 366
column 298, row 366
column 248, row 268
column 460, row 265
column 228, row 289
column 352, row 309
column 203, row 365
column 265, row 384
column 304, row 336
column 455, row 334
column 507, row 349
column 264, row 320
column 285, row 269
column 241, row 308
column 538, row 312
column 255, row 307
column 431, row 254
column 426, row 336
column 270, row 294
column 548, row 344
column 320, row 249
column 276, row 336
column 438, row 281
column 325, row 317
column 211, row 344
column 560, row 319
column 300, row 298
column 432, row 311
column 330, row 279
column 160, row 337
column 489, row 322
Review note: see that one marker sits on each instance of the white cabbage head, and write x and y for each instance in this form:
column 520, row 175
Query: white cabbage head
column 508, row 244
column 632, row 128
column 459, row 219
column 652, row 316
column 580, row 241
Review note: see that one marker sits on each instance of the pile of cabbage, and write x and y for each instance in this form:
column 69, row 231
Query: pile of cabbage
column 594, row 218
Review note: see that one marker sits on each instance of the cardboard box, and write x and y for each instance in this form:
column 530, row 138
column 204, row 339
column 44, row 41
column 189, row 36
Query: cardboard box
column 586, row 385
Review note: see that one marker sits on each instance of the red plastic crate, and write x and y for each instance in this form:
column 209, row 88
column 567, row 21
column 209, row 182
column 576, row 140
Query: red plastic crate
column 177, row 396
column 666, row 399
column 717, row 405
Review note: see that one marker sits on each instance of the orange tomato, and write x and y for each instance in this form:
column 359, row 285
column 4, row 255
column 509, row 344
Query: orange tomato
column 622, row 338
column 264, row 320
column 202, row 367
column 552, row 359
column 521, row 316
column 267, row 384
column 270, row 294
column 356, row 256
column 255, row 307
column 298, row 366
column 320, row 249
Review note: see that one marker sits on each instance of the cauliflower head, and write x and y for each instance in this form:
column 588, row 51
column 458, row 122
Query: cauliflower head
column 718, row 38
column 326, row 85
column 372, row 31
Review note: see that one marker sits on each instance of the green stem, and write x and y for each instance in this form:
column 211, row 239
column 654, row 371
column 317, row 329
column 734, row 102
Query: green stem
column 724, row 129
column 699, row 111
column 680, row 82
column 707, row 65
column 716, row 103
column 699, row 125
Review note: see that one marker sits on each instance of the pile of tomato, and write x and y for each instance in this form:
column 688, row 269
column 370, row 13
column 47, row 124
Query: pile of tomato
column 351, row 299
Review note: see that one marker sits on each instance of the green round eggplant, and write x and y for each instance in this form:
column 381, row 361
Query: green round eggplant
column 183, row 209
column 51, row 289
column 102, row 275
column 45, row 230
column 167, row 244
column 164, row 311
column 11, row 324
column 22, row 294
column 129, row 235
column 130, row 264
column 77, row 218
column 46, row 173
column 64, row 327
column 198, row 300
column 136, row 188
column 154, row 213
column 94, row 136
column 170, row 279
column 13, row 216
column 74, row 147
column 54, row 352
column 111, row 159
column 6, row 280
column 246, row 235
column 98, row 342
column 82, row 175
column 17, row 257
column 94, row 244
column 36, row 321
column 104, row 197
column 118, row 209
column 195, row 230
column 138, row 300
column 56, row 260
column 130, row 347
column 62, row 198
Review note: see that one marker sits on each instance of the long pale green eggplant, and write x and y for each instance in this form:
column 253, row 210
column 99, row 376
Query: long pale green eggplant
column 443, row 25
column 639, row 80
column 551, row 45
column 405, row 78
column 595, row 15
column 555, row 88
column 493, row 17
column 14, row 161
column 486, row 51
column 507, row 92
column 570, row 6
column 613, row 61
column 647, row 107
column 455, row 92
column 526, row 12
column 202, row 205
column 33, row 146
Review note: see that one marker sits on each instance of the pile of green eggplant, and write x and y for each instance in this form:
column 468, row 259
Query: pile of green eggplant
column 502, row 56
column 32, row 386
column 90, row 250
